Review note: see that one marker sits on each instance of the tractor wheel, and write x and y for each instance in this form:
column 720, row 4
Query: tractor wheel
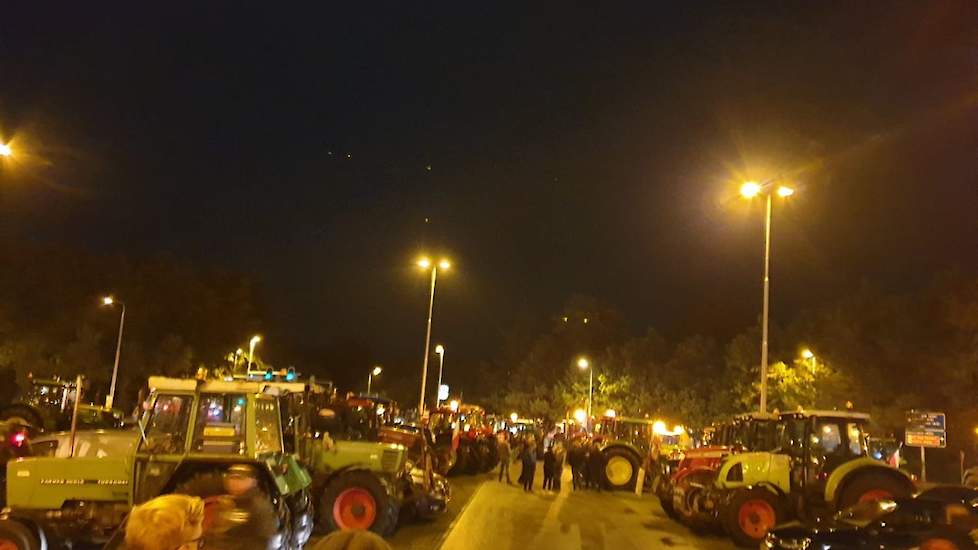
column 665, row 500
column 24, row 416
column 870, row 486
column 14, row 535
column 749, row 515
column 357, row 500
column 463, row 457
column 693, row 489
column 621, row 469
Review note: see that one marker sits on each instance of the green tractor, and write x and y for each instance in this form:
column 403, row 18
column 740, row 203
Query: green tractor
column 80, row 485
column 822, row 466
column 47, row 405
column 628, row 444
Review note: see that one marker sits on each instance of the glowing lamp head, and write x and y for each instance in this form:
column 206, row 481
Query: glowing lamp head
column 580, row 415
column 440, row 349
column 377, row 370
column 750, row 189
column 514, row 417
column 108, row 301
column 255, row 339
column 610, row 413
column 678, row 430
column 453, row 405
column 807, row 354
column 659, row 427
column 424, row 263
column 238, row 351
column 444, row 264
column 5, row 150
column 785, row 191
column 583, row 363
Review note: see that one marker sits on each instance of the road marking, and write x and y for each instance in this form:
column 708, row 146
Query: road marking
column 461, row 513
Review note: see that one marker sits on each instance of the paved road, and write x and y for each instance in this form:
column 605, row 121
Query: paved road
column 486, row 515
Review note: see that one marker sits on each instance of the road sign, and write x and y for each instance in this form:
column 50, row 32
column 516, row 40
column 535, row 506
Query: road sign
column 926, row 429
column 443, row 392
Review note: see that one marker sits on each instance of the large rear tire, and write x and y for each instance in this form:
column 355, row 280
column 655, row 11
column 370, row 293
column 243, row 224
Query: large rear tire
column 870, row 486
column 621, row 469
column 14, row 535
column 357, row 500
column 749, row 515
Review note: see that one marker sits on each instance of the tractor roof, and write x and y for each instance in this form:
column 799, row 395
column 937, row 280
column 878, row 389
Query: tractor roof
column 756, row 416
column 162, row 383
column 808, row 413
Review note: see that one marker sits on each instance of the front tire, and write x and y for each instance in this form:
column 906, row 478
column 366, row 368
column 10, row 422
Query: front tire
column 357, row 500
column 749, row 515
column 621, row 469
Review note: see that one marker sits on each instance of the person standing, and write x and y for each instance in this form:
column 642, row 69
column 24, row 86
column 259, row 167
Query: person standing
column 529, row 459
column 504, row 456
column 575, row 457
column 548, row 468
column 558, row 469
column 595, row 467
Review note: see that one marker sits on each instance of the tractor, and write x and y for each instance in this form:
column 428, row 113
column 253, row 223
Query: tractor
column 464, row 429
column 80, row 485
column 48, row 403
column 822, row 466
column 631, row 444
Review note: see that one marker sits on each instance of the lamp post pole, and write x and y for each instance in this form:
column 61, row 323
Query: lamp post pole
column 427, row 341
column 118, row 351
column 767, row 300
column 440, row 350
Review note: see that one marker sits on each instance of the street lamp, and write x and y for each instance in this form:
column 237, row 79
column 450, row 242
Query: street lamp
column 750, row 190
column 251, row 350
column 440, row 350
column 370, row 377
column 425, row 263
column 808, row 355
column 5, row 150
column 110, row 301
column 584, row 364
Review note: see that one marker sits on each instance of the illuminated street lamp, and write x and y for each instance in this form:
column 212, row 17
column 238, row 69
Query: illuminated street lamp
column 370, row 377
column 440, row 350
column 808, row 355
column 426, row 264
column 5, row 150
column 750, row 190
column 251, row 350
column 584, row 364
column 110, row 301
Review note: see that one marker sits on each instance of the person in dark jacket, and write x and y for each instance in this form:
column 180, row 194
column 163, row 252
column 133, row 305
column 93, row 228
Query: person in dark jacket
column 595, row 468
column 548, row 468
column 529, row 458
column 504, row 455
column 575, row 457
column 558, row 469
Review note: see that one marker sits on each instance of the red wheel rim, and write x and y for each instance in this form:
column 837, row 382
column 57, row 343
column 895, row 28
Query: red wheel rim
column 756, row 517
column 353, row 509
column 6, row 544
column 869, row 496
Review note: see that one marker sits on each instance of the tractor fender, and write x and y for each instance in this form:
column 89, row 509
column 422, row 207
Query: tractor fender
column 755, row 469
column 842, row 475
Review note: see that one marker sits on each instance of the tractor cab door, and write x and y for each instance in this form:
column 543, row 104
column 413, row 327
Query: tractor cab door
column 831, row 442
column 162, row 443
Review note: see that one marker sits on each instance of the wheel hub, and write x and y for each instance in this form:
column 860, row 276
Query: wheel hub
column 618, row 470
column 354, row 508
column 756, row 518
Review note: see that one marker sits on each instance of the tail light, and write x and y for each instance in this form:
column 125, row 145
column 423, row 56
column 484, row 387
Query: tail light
column 18, row 439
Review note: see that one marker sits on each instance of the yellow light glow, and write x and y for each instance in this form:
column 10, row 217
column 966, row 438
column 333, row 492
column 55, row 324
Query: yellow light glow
column 659, row 427
column 807, row 353
column 453, row 405
column 444, row 264
column 785, row 191
column 439, row 349
column 583, row 363
column 585, row 320
column 580, row 415
column 976, row 431
column 514, row 417
column 678, row 430
column 5, row 150
column 238, row 351
column 377, row 370
column 108, row 301
column 424, row 263
column 255, row 339
column 610, row 413
column 750, row 189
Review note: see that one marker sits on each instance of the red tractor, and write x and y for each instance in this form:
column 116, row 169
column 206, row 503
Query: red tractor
column 465, row 430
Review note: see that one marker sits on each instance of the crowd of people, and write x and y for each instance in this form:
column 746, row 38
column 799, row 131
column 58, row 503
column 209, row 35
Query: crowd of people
column 586, row 461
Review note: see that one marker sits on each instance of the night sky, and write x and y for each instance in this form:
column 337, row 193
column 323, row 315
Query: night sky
column 555, row 149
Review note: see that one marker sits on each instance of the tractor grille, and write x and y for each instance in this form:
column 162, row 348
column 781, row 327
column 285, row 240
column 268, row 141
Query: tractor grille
column 389, row 460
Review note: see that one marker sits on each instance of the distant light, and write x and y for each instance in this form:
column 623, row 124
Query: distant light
column 807, row 353
column 580, row 415
column 585, row 320
column 514, row 417
column 108, row 301
column 439, row 349
column 565, row 318
column 750, row 189
column 453, row 405
column 377, row 370
column 238, row 351
column 255, row 339
column 424, row 263
column 659, row 427
column 583, row 363
column 5, row 150
column 380, row 410
column 290, row 375
column 610, row 413
column 444, row 264
column 678, row 430
column 19, row 439
column 785, row 191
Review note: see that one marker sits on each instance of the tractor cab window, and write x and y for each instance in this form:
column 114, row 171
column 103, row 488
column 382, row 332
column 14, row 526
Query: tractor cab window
column 220, row 424
column 268, row 437
column 856, row 438
column 165, row 425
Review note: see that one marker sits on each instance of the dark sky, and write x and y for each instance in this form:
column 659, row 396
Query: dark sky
column 555, row 149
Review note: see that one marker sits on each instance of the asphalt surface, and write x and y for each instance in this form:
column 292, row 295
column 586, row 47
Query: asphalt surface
column 487, row 515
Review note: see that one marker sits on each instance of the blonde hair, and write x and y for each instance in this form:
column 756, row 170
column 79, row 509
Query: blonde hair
column 164, row 523
column 352, row 539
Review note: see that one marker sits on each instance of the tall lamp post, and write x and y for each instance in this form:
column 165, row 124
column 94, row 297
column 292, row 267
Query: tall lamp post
column 425, row 263
column 110, row 301
column 750, row 190
column 370, row 377
column 584, row 364
column 251, row 350
column 808, row 355
column 440, row 350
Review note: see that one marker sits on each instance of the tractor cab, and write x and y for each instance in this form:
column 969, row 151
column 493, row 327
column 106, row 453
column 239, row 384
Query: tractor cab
column 47, row 404
column 819, row 442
